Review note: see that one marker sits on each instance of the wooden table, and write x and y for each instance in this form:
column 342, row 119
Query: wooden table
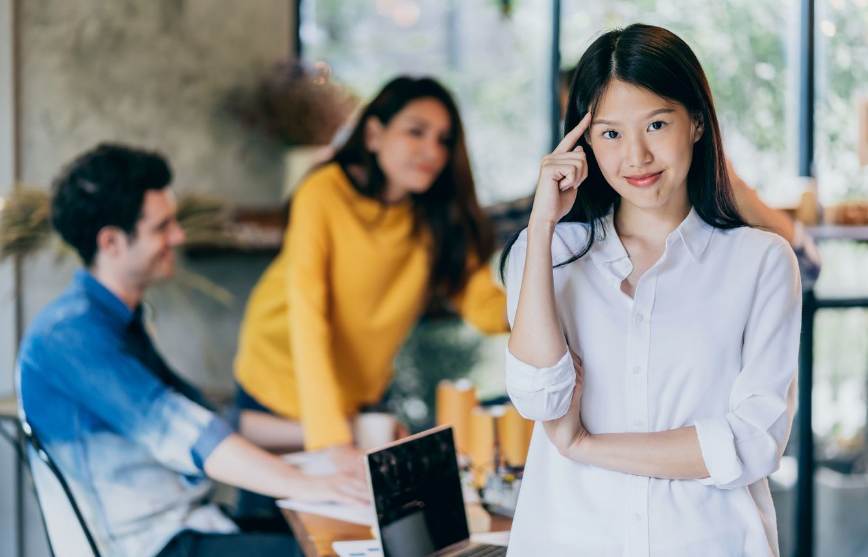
column 315, row 533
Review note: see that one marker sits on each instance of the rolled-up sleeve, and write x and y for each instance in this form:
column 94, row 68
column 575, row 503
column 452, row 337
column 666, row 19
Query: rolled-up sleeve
column 747, row 443
column 127, row 397
column 539, row 394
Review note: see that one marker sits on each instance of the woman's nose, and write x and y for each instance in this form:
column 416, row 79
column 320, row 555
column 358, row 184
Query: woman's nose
column 638, row 154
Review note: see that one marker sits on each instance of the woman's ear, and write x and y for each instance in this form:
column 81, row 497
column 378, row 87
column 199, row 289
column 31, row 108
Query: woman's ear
column 698, row 127
column 373, row 134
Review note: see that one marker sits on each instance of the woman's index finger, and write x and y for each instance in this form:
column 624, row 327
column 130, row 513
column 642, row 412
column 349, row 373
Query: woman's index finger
column 569, row 141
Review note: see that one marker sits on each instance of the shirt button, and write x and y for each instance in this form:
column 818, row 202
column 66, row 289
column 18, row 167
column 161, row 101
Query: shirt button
column 639, row 424
column 637, row 370
column 639, row 318
column 637, row 517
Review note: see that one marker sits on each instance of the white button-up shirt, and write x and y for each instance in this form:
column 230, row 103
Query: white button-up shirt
column 710, row 339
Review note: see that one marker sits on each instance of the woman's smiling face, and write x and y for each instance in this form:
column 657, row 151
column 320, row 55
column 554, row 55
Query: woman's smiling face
column 643, row 144
column 413, row 148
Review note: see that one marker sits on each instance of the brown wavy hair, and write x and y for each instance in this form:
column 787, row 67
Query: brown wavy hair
column 448, row 210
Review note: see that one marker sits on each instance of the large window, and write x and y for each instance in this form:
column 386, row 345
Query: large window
column 842, row 82
column 841, row 348
column 495, row 63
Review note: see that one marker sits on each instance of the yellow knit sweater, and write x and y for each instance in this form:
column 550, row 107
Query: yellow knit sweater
column 326, row 319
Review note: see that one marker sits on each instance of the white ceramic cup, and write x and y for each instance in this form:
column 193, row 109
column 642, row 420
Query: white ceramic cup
column 374, row 429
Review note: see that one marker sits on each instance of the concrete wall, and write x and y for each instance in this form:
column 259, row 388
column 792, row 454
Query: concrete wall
column 150, row 73
column 9, row 472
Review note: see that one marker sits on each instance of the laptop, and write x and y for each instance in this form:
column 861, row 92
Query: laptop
column 416, row 490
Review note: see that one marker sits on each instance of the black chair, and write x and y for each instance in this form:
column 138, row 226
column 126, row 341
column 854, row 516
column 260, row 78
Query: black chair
column 68, row 533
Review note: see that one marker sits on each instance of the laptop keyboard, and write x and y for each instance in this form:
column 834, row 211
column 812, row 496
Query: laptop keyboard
column 484, row 550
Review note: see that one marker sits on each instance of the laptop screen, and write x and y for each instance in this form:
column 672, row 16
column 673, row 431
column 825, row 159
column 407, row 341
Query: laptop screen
column 417, row 495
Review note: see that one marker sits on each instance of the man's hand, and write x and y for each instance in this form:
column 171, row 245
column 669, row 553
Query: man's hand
column 339, row 488
column 567, row 432
column 348, row 460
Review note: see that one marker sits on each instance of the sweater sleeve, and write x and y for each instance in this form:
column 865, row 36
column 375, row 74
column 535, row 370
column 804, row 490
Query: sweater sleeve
column 482, row 301
column 320, row 399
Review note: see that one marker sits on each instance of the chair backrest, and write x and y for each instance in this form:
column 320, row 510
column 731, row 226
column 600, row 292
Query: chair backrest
column 68, row 534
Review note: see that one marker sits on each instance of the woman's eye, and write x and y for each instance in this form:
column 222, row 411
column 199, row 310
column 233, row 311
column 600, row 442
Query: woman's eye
column 416, row 132
column 657, row 125
column 610, row 134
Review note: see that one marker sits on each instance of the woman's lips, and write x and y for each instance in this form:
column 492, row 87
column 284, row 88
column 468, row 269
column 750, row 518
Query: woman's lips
column 426, row 169
column 643, row 180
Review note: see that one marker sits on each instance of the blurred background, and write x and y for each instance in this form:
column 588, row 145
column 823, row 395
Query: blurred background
column 235, row 94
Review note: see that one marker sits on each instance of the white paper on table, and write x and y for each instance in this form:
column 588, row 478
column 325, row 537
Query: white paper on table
column 313, row 463
column 357, row 548
column 366, row 548
column 348, row 512
column 491, row 538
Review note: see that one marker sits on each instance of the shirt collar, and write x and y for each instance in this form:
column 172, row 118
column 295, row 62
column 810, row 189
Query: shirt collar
column 103, row 299
column 608, row 252
column 694, row 232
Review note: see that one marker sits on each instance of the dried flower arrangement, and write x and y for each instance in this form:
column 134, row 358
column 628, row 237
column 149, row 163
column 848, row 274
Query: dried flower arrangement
column 24, row 222
column 25, row 228
column 294, row 104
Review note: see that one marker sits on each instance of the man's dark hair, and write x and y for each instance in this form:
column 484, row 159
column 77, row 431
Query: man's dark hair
column 104, row 186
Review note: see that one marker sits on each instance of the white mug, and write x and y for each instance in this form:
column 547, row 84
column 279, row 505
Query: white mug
column 374, row 429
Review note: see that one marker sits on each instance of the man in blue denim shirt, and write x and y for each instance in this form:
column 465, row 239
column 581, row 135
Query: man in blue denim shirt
column 135, row 441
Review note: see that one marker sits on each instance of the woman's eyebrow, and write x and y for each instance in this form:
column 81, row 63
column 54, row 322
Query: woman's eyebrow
column 417, row 120
column 649, row 115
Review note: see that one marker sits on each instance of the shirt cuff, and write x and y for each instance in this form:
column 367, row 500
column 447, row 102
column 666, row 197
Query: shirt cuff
column 212, row 435
column 717, row 445
column 540, row 394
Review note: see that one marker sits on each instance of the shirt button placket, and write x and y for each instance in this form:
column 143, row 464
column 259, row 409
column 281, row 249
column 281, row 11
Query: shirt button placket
column 641, row 334
column 638, row 363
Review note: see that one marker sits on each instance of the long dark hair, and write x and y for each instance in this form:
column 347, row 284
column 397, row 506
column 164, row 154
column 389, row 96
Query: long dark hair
column 659, row 61
column 449, row 211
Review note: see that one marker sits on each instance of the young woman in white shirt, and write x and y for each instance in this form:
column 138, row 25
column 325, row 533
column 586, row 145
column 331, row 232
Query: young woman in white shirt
column 655, row 335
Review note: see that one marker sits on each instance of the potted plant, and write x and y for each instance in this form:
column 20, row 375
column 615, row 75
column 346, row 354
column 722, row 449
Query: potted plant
column 299, row 106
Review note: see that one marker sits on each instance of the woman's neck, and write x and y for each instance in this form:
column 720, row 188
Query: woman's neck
column 650, row 225
column 392, row 194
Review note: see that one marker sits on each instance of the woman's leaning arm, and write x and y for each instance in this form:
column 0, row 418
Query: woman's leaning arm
column 319, row 393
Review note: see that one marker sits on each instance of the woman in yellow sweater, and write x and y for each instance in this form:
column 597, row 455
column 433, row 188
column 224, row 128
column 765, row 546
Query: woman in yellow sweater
column 390, row 222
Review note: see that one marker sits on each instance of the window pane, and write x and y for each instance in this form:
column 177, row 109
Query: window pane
column 842, row 81
column 495, row 64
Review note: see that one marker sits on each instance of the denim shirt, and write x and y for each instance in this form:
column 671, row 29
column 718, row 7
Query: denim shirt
column 129, row 435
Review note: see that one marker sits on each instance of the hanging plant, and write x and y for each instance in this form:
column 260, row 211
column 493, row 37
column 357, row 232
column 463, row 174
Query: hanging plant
column 295, row 104
column 25, row 228
column 25, row 225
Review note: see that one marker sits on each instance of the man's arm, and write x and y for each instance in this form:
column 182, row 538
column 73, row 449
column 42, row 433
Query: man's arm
column 756, row 212
column 240, row 463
